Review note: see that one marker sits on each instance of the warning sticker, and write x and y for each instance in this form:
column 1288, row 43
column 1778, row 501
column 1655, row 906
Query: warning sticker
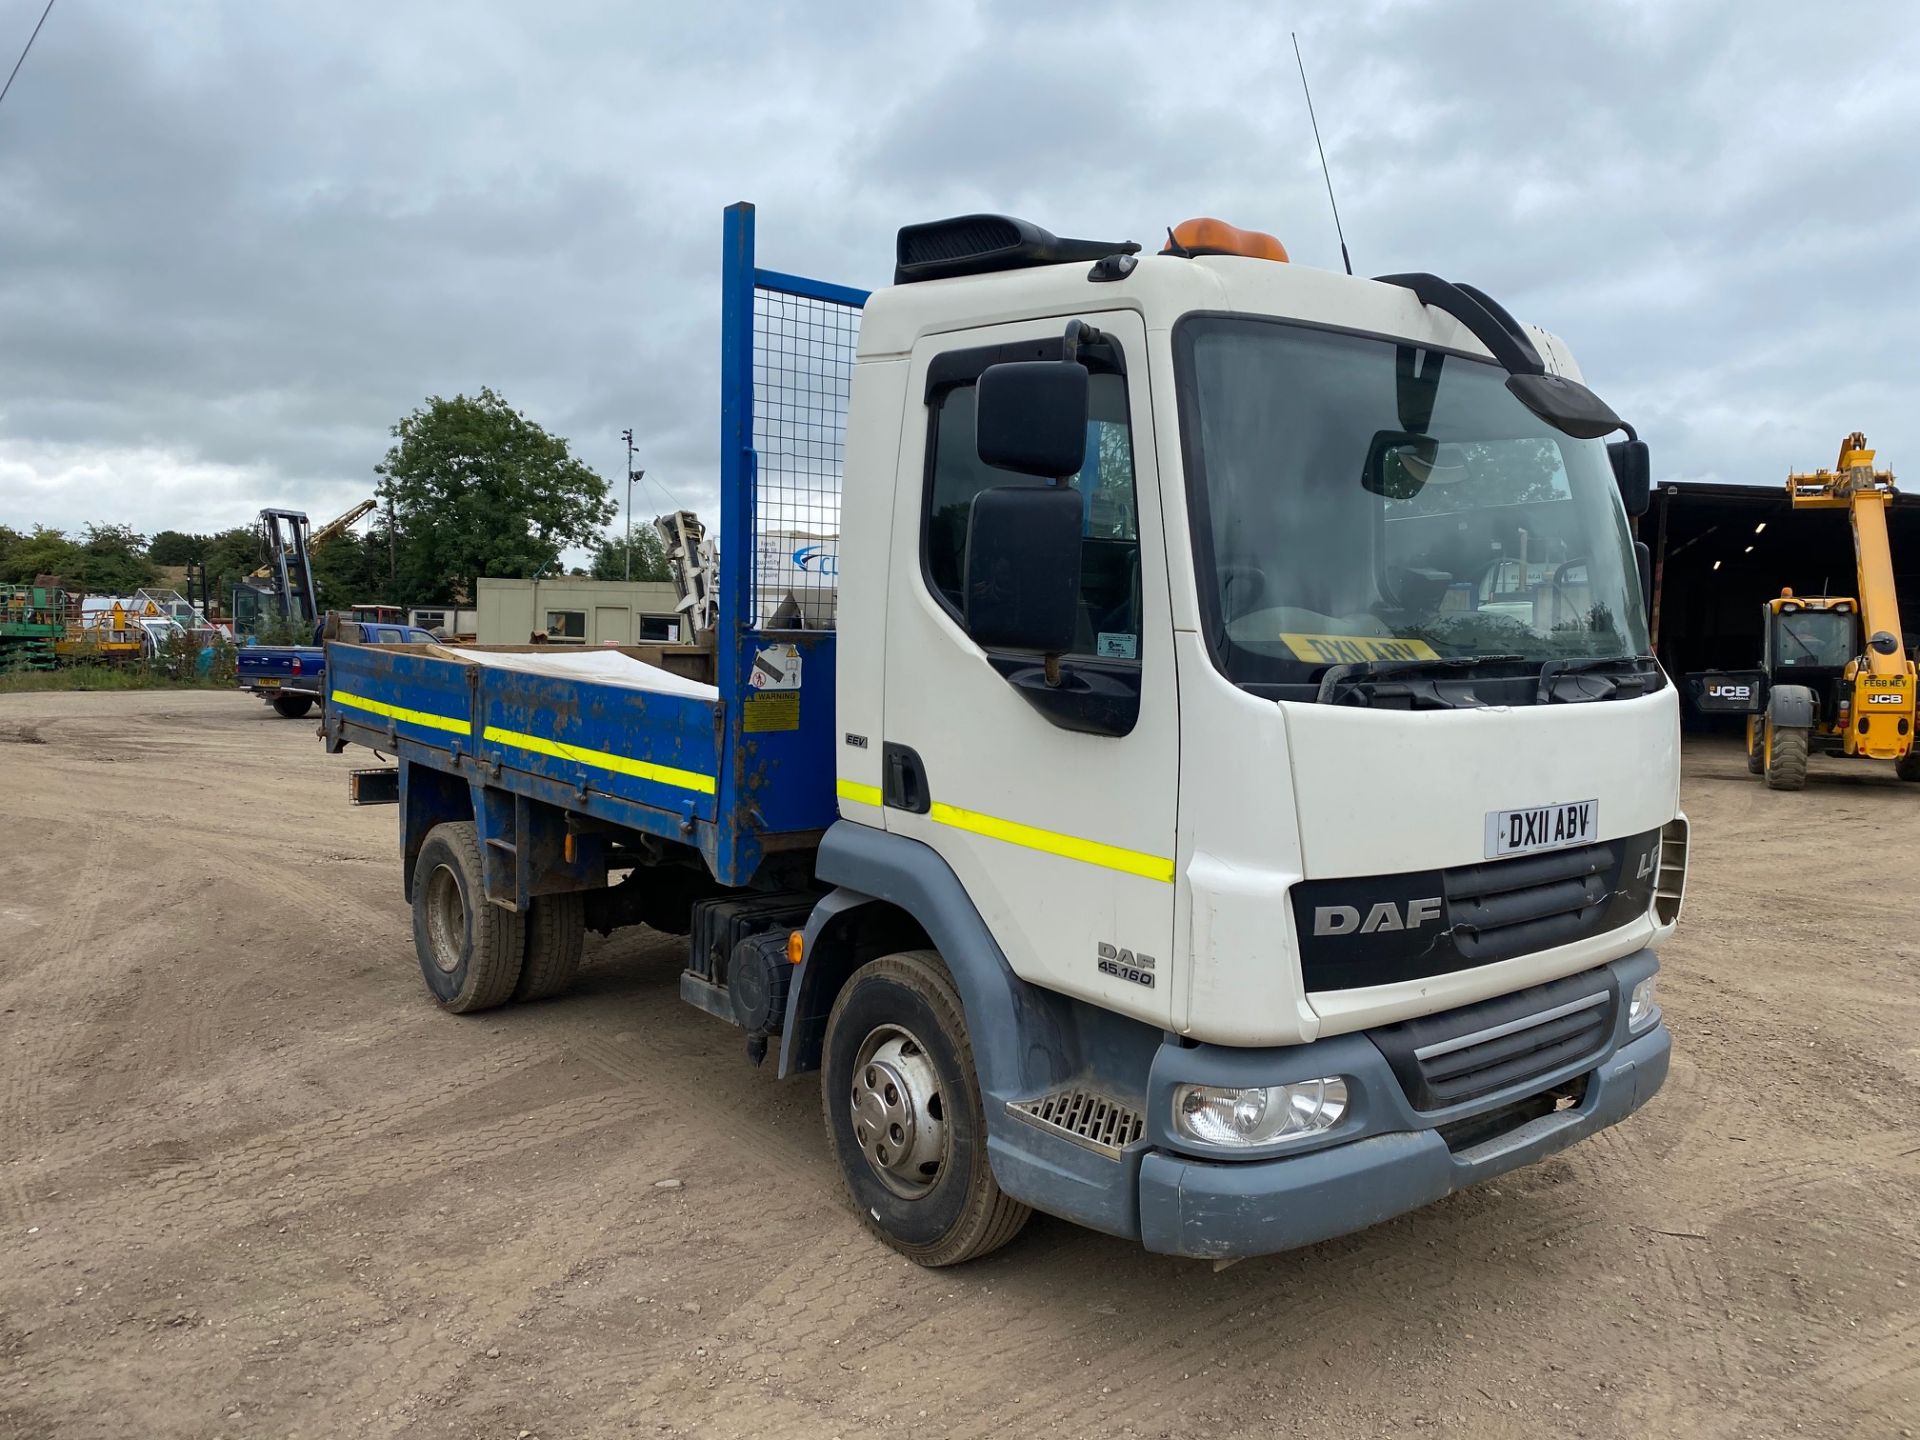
column 1351, row 649
column 776, row 668
column 771, row 710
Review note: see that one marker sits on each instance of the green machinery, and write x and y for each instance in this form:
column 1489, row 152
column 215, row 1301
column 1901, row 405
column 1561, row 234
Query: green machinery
column 32, row 619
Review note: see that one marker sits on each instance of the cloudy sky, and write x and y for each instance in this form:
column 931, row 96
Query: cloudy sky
column 239, row 238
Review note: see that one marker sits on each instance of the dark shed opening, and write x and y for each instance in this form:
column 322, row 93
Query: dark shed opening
column 1720, row 552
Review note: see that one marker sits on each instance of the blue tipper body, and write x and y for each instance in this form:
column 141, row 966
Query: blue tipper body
column 699, row 771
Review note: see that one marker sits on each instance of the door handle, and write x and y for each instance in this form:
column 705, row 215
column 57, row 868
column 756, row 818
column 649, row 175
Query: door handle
column 906, row 780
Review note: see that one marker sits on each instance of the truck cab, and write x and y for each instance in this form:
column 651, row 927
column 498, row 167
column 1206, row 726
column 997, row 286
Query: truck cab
column 1356, row 727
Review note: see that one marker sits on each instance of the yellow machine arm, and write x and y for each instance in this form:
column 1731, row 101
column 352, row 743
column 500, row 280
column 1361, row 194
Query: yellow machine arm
column 1865, row 493
column 337, row 526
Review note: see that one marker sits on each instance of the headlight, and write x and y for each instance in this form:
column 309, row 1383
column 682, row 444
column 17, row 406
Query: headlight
column 1260, row 1115
column 1641, row 1011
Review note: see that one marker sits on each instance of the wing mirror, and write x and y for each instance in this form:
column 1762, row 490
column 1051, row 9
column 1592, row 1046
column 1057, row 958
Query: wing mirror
column 1031, row 417
column 1022, row 568
column 1633, row 473
column 1022, row 562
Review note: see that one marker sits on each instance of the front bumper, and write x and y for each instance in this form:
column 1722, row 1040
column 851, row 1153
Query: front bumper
column 1221, row 1210
column 1387, row 1156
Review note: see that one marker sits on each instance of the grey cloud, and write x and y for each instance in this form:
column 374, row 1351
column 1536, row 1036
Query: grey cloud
column 238, row 241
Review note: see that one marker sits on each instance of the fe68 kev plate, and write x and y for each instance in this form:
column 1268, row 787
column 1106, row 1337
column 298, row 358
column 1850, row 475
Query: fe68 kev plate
column 1542, row 827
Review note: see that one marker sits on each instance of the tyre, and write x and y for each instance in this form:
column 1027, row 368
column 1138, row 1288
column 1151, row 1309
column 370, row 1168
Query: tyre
column 1907, row 767
column 469, row 950
column 556, row 933
column 904, row 1115
column 291, row 707
column 1756, row 749
column 1787, row 759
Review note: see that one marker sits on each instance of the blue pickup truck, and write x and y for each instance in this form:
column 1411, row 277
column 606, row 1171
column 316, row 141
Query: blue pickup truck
column 291, row 678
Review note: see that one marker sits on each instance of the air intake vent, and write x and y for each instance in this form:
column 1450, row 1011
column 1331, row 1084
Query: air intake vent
column 1094, row 1120
column 1670, row 890
column 1514, row 907
column 978, row 244
column 1500, row 1044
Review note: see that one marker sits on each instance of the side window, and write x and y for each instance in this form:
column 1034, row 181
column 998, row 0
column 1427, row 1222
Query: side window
column 567, row 626
column 1109, row 623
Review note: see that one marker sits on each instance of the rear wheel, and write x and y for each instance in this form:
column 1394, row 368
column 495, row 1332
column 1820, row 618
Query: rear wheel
column 1907, row 767
column 1786, row 759
column 556, row 934
column 470, row 951
column 904, row 1114
column 292, row 707
column 1756, row 749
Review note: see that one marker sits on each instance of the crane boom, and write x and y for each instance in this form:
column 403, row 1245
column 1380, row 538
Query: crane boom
column 341, row 523
column 1865, row 493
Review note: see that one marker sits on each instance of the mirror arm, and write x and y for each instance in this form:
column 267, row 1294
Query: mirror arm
column 1084, row 345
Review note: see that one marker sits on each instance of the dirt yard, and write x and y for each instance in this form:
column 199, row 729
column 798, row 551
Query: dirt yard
column 252, row 1183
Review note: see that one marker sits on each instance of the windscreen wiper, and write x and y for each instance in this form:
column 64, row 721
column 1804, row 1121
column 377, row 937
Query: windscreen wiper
column 1605, row 688
column 1360, row 672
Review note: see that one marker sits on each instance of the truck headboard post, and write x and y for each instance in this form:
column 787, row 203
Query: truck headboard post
column 786, row 363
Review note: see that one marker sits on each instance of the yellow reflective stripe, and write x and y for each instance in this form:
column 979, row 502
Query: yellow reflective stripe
column 400, row 712
column 1031, row 837
column 602, row 760
column 854, row 790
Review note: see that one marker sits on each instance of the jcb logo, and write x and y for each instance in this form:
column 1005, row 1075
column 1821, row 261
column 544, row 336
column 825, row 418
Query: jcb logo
column 1888, row 699
column 1345, row 919
column 1729, row 692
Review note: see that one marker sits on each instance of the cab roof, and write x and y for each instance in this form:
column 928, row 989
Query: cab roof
column 1162, row 288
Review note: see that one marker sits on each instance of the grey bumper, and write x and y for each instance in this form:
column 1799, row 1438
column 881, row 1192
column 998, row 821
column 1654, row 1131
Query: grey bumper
column 1386, row 1157
column 1226, row 1209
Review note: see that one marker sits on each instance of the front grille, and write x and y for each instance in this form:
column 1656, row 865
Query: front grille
column 1093, row 1119
column 1361, row 931
column 1501, row 1044
column 1514, row 907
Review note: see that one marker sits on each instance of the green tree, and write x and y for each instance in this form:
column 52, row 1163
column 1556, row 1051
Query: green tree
column 351, row 569
column 230, row 556
column 45, row 552
column 649, row 558
column 476, row 488
column 175, row 547
column 112, row 561
column 10, row 539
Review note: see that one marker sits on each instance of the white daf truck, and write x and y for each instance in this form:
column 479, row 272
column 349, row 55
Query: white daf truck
column 1234, row 801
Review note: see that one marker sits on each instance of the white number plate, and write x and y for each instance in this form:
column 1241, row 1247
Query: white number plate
column 1544, row 827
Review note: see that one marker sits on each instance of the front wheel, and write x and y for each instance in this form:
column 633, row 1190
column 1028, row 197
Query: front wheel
column 470, row 950
column 1786, row 758
column 292, row 707
column 1756, row 748
column 904, row 1114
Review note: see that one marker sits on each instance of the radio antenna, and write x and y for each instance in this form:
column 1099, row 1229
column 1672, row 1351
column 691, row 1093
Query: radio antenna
column 1345, row 259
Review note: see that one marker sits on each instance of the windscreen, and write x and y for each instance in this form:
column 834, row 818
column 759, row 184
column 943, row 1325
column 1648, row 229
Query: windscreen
column 1360, row 499
column 1811, row 639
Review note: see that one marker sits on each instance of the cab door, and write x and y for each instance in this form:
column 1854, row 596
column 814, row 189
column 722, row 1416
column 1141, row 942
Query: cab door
column 1055, row 806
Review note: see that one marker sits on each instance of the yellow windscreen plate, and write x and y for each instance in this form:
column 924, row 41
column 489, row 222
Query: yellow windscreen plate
column 1351, row 649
